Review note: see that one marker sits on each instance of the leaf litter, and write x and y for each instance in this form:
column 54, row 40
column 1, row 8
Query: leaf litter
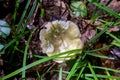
column 56, row 10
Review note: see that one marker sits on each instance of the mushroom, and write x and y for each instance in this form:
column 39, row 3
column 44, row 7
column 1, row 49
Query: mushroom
column 60, row 36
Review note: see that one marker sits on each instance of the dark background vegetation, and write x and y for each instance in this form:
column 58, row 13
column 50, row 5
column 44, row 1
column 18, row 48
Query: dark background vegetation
column 11, row 58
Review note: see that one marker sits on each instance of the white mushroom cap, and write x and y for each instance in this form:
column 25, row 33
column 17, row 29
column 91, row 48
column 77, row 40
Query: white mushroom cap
column 60, row 36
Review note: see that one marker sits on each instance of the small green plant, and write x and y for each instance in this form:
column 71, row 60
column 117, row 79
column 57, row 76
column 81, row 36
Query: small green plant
column 4, row 29
column 79, row 9
column 1, row 46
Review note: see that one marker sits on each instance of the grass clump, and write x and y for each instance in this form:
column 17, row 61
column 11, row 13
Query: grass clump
column 23, row 54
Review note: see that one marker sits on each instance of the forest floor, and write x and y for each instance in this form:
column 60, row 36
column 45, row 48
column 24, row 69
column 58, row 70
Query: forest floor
column 95, row 20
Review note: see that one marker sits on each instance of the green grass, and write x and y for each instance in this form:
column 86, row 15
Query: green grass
column 60, row 74
column 37, row 63
column 82, row 68
column 105, row 8
column 15, row 13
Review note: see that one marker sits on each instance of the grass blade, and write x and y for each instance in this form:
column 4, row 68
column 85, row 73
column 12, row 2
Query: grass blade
column 74, row 69
column 25, row 54
column 38, row 62
column 92, row 71
column 81, row 71
column 22, row 18
column 103, row 76
column 60, row 74
column 116, row 15
column 15, row 12
column 100, row 33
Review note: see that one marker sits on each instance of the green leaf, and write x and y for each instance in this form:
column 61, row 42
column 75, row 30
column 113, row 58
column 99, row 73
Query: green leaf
column 1, row 46
column 4, row 29
column 79, row 9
